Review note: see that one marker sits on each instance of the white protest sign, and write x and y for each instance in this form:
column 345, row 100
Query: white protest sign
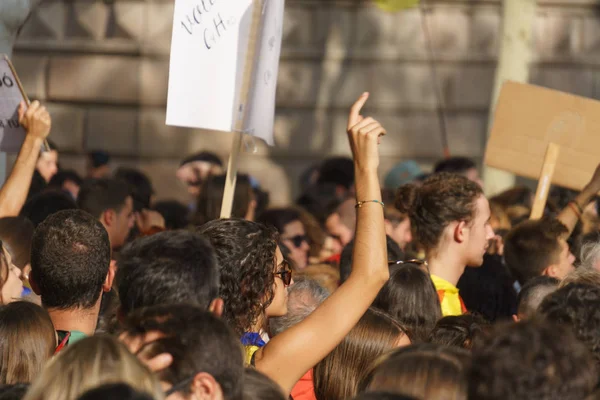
column 208, row 59
column 12, row 133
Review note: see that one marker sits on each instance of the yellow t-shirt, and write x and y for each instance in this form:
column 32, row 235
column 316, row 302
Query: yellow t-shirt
column 450, row 300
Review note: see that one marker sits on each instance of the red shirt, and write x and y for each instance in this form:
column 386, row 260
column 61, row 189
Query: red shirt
column 304, row 389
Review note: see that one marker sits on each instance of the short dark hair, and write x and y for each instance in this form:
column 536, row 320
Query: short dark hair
column 197, row 340
column 533, row 293
column 410, row 297
column 578, row 307
column 99, row 158
column 531, row 360
column 532, row 246
column 454, row 165
column 16, row 234
column 320, row 200
column 459, row 331
column 394, row 252
column 120, row 391
column 279, row 217
column 246, row 252
column 62, row 176
column 211, row 198
column 40, row 206
column 70, row 258
column 140, row 186
column 167, row 268
column 205, row 156
column 13, row 392
column 440, row 200
column 99, row 195
column 175, row 213
column 337, row 170
column 383, row 396
column 260, row 387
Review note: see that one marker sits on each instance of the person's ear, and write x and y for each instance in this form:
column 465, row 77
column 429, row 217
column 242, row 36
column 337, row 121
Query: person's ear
column 460, row 231
column 108, row 217
column 389, row 228
column 516, row 318
column 552, row 271
column 110, row 276
column 216, row 307
column 205, row 387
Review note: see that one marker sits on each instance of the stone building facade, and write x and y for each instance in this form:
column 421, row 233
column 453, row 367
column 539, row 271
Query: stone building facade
column 102, row 68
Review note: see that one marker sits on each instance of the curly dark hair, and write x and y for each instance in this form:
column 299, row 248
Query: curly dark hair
column 531, row 360
column 459, row 331
column 577, row 306
column 246, row 253
column 440, row 200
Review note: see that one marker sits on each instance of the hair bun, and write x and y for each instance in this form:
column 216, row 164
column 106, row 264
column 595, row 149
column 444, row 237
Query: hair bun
column 406, row 198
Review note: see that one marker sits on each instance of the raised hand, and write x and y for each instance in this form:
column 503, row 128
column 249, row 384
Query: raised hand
column 35, row 119
column 363, row 134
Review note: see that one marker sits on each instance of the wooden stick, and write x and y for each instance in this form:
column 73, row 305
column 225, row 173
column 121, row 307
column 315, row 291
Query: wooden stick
column 232, row 165
column 545, row 181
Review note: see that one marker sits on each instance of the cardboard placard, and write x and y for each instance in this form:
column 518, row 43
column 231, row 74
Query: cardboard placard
column 12, row 133
column 209, row 50
column 528, row 118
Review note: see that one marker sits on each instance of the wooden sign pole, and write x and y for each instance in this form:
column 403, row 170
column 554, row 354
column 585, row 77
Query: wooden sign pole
column 232, row 165
column 545, row 181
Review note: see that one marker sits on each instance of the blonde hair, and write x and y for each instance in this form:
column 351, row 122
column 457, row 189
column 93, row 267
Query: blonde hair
column 582, row 275
column 90, row 363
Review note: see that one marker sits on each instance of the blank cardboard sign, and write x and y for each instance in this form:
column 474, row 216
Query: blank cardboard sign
column 529, row 117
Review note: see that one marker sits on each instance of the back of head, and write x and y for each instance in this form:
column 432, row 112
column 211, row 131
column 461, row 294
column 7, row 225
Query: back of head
column 454, row 165
column 278, row 218
column 259, row 387
column 246, row 253
column 442, row 199
column 401, row 174
column 98, row 158
column 531, row 360
column 211, row 198
column 424, row 371
column 117, row 391
column 16, row 234
column 63, row 176
column 338, row 171
column 140, row 186
column 590, row 255
column 394, row 253
column 27, row 342
column 198, row 341
column 70, row 258
column 44, row 204
column 167, row 268
column 532, row 246
column 176, row 214
column 582, row 275
column 89, row 363
column 533, row 293
column 410, row 297
column 304, row 296
column 337, row 376
column 459, row 331
column 319, row 200
column 98, row 195
column 518, row 196
column 576, row 306
column 13, row 392
column 382, row 396
column 203, row 156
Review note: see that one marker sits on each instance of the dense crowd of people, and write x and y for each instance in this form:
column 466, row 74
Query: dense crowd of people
column 421, row 289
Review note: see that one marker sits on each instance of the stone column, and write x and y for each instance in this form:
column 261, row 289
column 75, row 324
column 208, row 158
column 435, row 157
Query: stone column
column 13, row 14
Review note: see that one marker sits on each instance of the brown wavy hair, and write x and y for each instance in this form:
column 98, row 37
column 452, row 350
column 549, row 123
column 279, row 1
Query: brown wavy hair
column 246, row 253
column 440, row 200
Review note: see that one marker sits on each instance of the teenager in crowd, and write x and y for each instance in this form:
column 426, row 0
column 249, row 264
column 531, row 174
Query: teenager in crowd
column 292, row 233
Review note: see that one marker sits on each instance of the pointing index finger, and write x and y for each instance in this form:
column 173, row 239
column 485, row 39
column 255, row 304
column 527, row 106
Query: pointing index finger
column 354, row 116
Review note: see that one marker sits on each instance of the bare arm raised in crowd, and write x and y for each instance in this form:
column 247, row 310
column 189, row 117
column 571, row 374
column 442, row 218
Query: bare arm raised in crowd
column 289, row 355
column 569, row 216
column 36, row 120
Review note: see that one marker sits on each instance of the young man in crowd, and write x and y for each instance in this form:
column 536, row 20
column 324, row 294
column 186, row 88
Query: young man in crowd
column 451, row 217
column 168, row 268
column 110, row 201
column 195, row 169
column 397, row 226
column 461, row 166
column 532, row 294
column 70, row 260
column 207, row 361
column 47, row 163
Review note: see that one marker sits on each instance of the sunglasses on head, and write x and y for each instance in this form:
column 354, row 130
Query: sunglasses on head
column 285, row 273
column 297, row 240
column 419, row 263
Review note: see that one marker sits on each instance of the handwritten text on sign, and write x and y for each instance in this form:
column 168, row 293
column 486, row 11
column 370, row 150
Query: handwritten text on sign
column 209, row 52
column 11, row 133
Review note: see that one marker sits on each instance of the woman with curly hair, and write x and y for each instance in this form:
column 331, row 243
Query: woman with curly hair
column 254, row 274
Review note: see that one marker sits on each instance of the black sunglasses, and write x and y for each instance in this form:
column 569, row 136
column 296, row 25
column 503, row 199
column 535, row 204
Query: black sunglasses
column 297, row 240
column 285, row 273
column 180, row 387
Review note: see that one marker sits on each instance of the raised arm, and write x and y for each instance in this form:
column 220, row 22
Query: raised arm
column 289, row 355
column 573, row 212
column 36, row 120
